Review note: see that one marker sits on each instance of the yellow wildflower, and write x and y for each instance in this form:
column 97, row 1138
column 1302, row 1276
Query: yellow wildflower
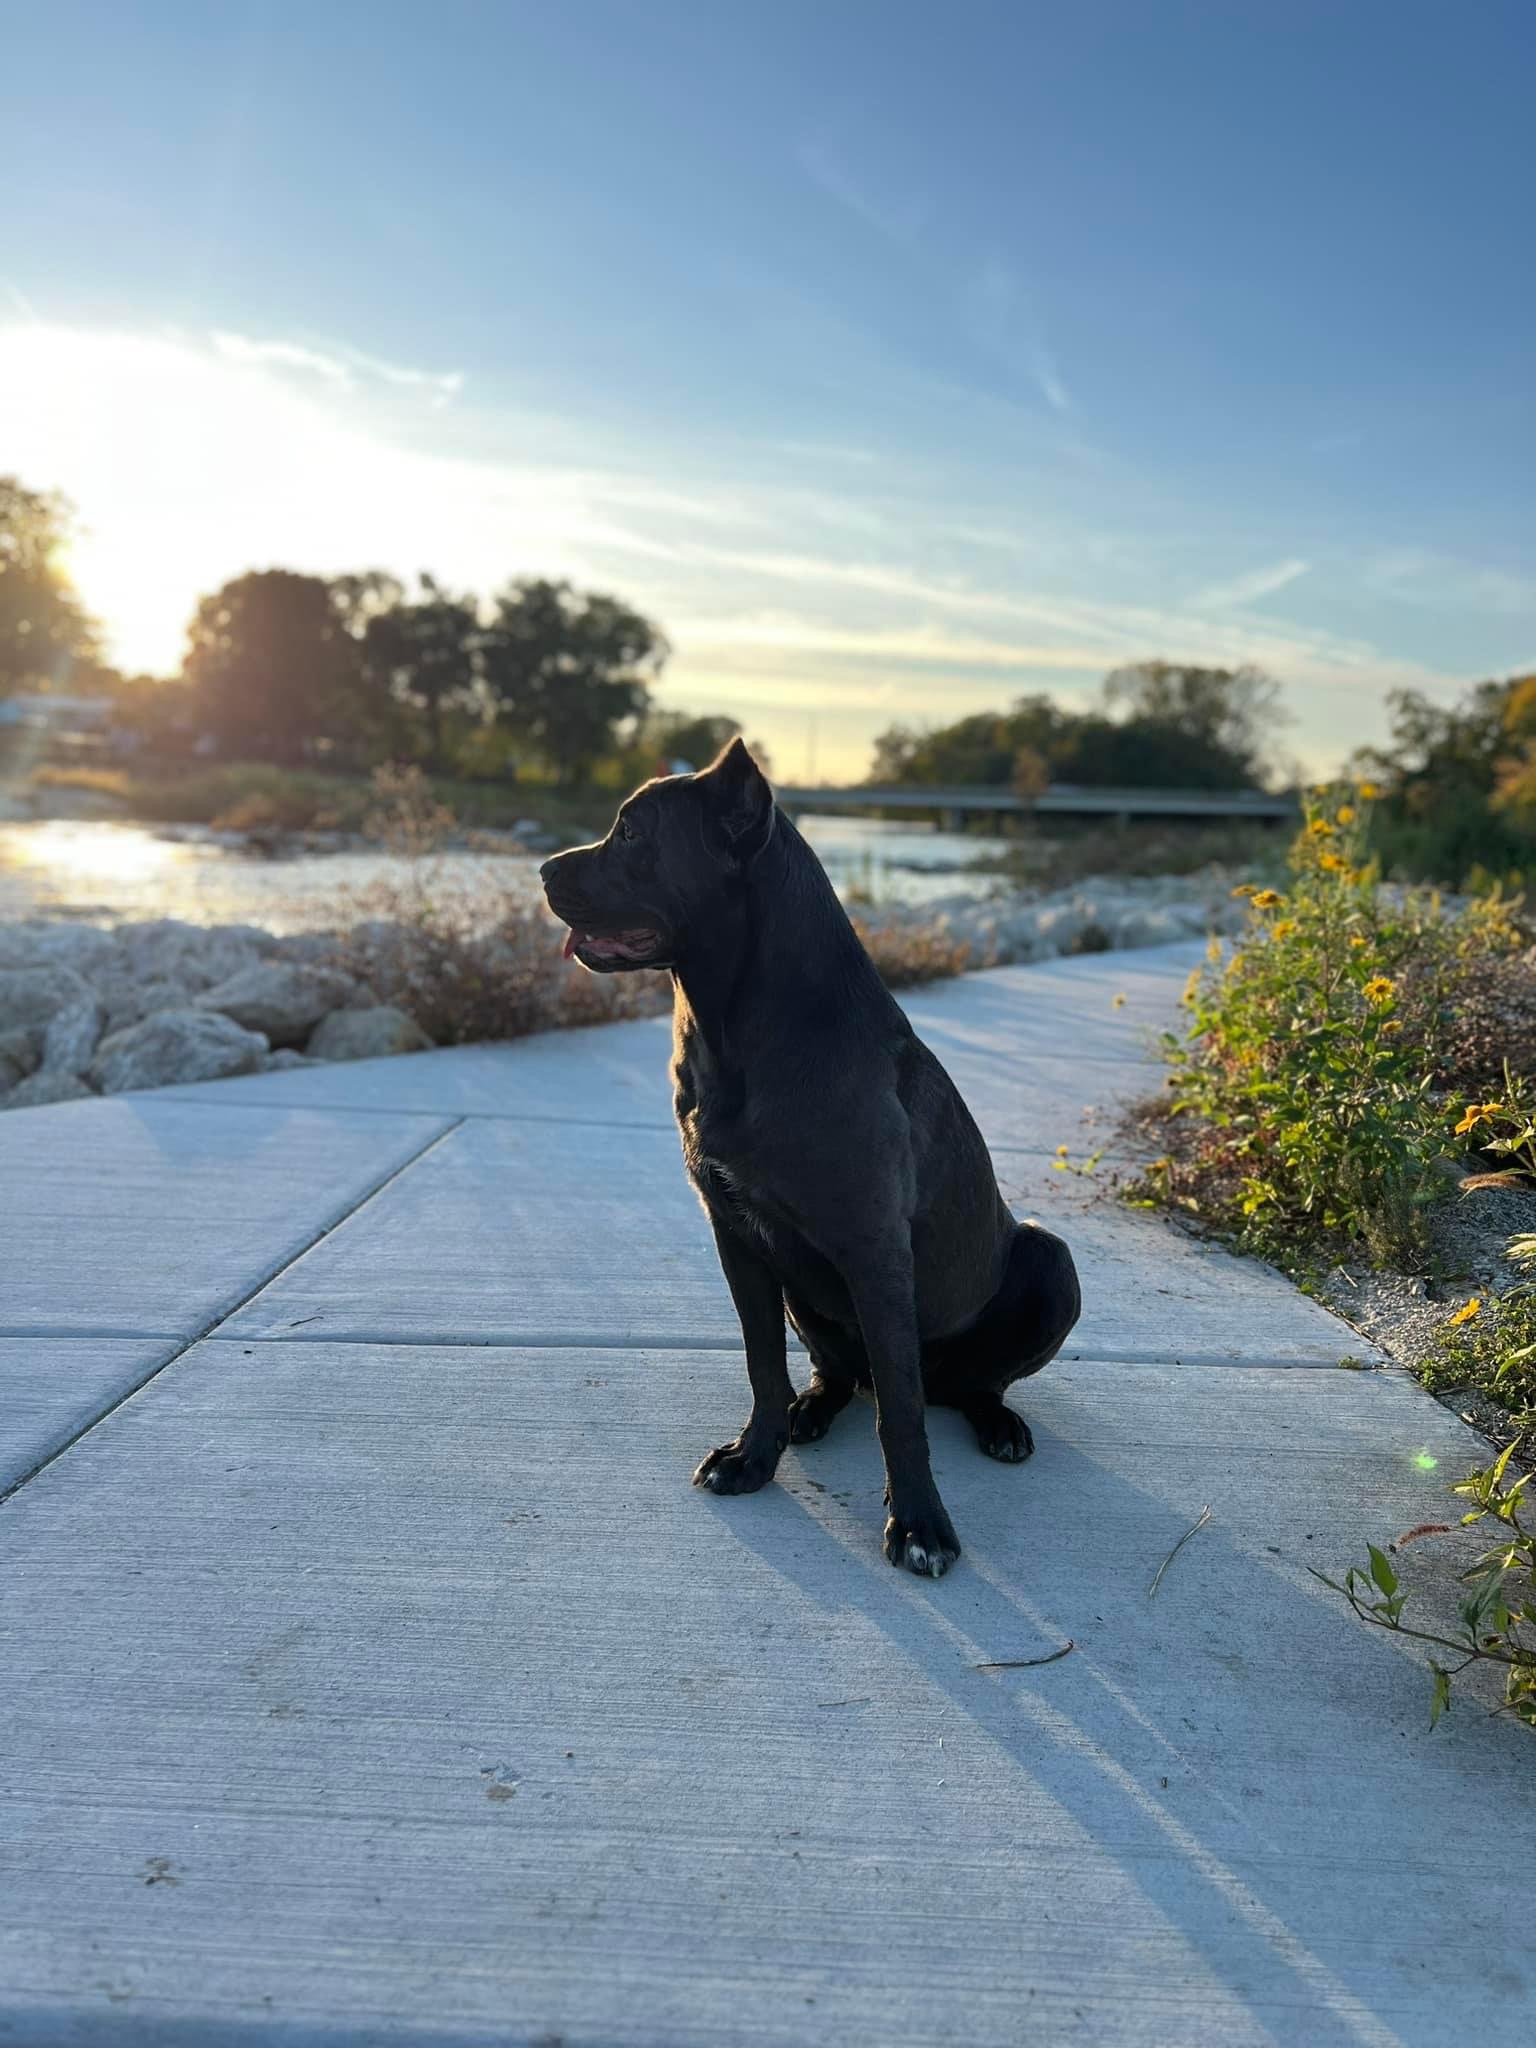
column 1335, row 863
column 1245, row 889
column 1346, row 814
column 1355, row 939
column 1266, row 899
column 1474, row 1114
column 1320, row 829
column 1467, row 1311
column 1379, row 989
column 1367, row 792
column 1062, row 1151
column 1392, row 1024
column 1119, row 1002
column 1283, row 929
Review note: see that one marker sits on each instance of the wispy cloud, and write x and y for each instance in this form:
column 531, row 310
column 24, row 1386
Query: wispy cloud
column 893, row 595
column 1418, row 577
column 1005, row 323
column 340, row 366
column 19, row 300
column 280, row 355
column 1248, row 589
column 898, row 220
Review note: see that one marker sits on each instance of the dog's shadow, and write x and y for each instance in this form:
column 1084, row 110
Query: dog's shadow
column 1189, row 1736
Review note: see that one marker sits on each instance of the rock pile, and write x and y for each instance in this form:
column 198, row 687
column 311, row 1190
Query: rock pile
column 87, row 1011
column 1092, row 916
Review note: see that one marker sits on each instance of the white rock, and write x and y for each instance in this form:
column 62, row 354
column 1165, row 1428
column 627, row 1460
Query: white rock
column 1059, row 926
column 1146, row 928
column 283, row 999
column 72, row 1035
column 310, row 949
column 177, row 1045
column 196, row 956
column 41, row 1089
column 366, row 1035
column 29, row 996
column 18, row 1056
column 129, row 1001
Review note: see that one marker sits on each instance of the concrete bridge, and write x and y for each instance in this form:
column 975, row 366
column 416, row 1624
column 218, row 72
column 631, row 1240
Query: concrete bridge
column 955, row 805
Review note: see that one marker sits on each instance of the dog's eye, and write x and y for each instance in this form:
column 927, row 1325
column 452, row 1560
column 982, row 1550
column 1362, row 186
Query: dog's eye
column 626, row 830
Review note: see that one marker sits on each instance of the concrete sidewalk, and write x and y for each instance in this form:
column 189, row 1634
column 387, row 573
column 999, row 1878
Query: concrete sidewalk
column 371, row 1672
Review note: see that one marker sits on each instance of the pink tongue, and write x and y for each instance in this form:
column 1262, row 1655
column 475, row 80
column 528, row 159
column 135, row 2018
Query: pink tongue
column 570, row 946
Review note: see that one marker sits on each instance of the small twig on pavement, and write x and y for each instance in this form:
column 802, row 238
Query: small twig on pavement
column 1028, row 1663
column 862, row 1701
column 1205, row 1516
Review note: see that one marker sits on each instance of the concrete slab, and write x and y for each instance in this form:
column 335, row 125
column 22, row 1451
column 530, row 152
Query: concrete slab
column 1061, row 1017
column 612, row 1074
column 410, row 1695
column 139, row 1217
column 524, row 1233
column 51, row 1388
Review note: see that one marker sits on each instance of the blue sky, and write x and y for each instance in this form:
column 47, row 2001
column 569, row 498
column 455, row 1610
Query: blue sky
column 899, row 358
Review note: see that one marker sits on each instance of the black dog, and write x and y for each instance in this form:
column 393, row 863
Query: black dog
column 843, row 1176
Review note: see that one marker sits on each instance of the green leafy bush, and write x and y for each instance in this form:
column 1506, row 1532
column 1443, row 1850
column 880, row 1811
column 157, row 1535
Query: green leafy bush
column 1303, row 1092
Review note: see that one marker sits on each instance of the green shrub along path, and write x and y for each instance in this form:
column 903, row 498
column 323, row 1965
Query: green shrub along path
column 1313, row 1103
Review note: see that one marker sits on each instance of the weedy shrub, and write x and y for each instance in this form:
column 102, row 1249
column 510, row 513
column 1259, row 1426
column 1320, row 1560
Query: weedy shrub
column 909, row 953
column 1490, row 1344
column 1498, row 1614
column 428, row 943
column 1305, row 1117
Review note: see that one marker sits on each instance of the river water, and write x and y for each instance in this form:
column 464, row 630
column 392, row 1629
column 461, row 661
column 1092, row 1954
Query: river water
column 111, row 872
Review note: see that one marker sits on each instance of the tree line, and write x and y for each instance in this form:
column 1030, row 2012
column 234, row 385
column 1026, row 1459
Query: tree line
column 1162, row 725
column 295, row 669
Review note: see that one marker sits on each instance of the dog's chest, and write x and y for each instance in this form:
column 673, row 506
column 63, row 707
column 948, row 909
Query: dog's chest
column 724, row 1154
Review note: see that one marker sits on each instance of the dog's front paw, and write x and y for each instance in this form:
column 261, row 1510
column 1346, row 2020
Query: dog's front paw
column 925, row 1543
column 739, row 1467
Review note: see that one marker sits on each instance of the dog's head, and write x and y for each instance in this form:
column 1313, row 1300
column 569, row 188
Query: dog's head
column 673, row 859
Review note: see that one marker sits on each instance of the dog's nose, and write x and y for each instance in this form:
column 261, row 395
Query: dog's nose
column 547, row 869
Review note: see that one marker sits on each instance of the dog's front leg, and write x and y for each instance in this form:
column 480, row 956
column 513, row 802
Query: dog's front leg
column 919, row 1533
column 749, row 1462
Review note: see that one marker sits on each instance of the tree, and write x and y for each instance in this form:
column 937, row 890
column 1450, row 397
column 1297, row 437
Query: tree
column 695, row 737
column 424, row 655
column 1147, row 753
column 1164, row 726
column 43, row 627
column 1228, row 714
column 1457, row 781
column 567, row 668
column 274, row 670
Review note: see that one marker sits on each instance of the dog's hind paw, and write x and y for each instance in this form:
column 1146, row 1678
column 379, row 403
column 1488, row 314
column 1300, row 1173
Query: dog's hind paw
column 812, row 1413
column 1004, row 1435
column 737, row 1468
column 925, row 1544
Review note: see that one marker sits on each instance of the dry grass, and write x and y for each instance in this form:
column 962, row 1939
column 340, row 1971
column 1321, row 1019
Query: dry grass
column 909, row 953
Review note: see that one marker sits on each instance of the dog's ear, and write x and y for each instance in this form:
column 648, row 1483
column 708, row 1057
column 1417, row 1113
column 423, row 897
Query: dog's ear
column 741, row 800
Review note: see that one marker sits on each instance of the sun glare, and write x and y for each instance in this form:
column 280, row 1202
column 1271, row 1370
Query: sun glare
column 188, row 467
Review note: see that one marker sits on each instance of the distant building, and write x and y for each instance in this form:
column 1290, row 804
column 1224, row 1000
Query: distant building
column 57, row 715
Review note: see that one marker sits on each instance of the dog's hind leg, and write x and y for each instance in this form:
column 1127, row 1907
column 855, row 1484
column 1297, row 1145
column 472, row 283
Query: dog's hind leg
column 838, row 1367
column 1021, row 1329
